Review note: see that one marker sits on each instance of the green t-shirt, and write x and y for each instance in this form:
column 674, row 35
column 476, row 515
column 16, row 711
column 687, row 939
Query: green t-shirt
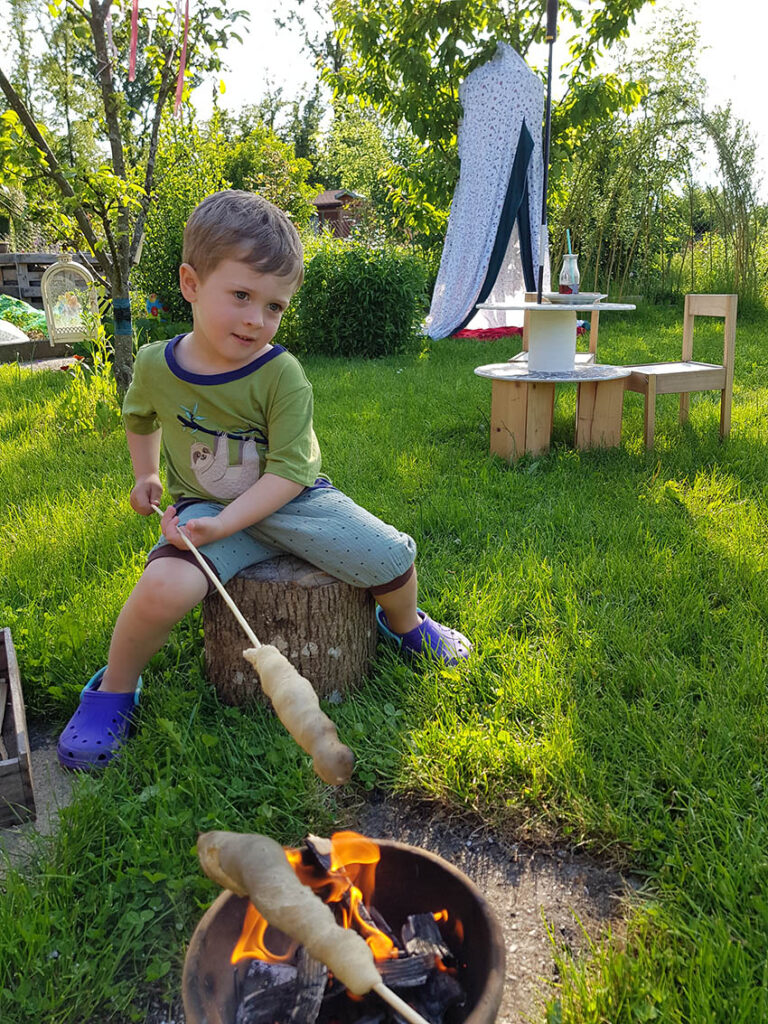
column 222, row 431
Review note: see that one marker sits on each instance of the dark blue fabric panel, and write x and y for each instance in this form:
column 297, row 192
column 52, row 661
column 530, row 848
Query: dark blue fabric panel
column 515, row 208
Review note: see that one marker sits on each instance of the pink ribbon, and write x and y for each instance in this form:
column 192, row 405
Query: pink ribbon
column 134, row 39
column 180, row 83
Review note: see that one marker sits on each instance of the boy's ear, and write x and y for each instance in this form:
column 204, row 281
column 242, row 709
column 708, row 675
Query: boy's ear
column 189, row 282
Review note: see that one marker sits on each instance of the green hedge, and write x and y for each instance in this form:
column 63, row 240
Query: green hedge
column 357, row 301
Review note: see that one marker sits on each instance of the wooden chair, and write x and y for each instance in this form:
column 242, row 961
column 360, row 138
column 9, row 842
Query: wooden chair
column 652, row 379
column 582, row 358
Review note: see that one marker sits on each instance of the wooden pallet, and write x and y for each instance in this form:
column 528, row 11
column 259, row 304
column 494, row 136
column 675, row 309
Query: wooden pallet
column 17, row 798
column 22, row 272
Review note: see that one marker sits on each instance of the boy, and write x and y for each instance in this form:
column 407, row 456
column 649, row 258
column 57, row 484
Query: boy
column 235, row 414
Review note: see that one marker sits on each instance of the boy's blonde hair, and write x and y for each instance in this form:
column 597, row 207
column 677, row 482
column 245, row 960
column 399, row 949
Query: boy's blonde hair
column 242, row 226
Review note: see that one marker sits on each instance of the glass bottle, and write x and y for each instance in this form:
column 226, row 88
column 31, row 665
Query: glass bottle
column 569, row 275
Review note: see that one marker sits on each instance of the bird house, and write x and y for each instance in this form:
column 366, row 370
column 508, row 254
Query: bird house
column 68, row 292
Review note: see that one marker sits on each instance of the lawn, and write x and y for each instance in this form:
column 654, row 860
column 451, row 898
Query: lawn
column 616, row 701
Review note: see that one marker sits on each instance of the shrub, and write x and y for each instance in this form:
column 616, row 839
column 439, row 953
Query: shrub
column 357, row 301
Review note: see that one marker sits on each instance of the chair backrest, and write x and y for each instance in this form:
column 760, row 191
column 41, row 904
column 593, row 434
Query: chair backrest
column 711, row 305
column 594, row 325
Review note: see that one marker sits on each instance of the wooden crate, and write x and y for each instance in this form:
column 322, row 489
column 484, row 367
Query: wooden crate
column 17, row 798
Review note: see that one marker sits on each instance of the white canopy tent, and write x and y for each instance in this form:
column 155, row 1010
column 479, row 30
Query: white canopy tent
column 493, row 241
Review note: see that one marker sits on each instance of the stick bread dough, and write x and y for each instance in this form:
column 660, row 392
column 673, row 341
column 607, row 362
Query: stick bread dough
column 256, row 866
column 296, row 704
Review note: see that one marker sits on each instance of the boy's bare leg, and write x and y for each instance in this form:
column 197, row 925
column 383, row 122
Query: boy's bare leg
column 400, row 606
column 167, row 590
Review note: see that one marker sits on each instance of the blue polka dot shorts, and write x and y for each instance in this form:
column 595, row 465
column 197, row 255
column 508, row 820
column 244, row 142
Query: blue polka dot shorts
column 322, row 526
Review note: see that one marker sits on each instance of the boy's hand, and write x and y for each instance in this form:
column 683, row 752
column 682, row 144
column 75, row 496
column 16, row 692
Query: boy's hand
column 200, row 531
column 148, row 490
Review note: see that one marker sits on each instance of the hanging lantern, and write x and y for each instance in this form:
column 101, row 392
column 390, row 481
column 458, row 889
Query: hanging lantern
column 68, row 291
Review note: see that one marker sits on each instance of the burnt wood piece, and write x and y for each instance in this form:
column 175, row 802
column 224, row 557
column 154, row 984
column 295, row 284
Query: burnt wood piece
column 287, row 992
column 441, row 990
column 312, row 978
column 440, row 993
column 317, row 852
column 407, row 971
column 326, row 628
column 268, row 990
column 17, row 796
column 421, row 934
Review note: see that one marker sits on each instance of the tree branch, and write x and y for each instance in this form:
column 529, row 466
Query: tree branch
column 53, row 170
column 166, row 84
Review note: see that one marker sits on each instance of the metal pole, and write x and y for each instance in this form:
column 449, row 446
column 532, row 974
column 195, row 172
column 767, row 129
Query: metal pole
column 551, row 36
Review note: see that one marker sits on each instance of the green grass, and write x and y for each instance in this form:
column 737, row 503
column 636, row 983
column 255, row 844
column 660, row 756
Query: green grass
column 616, row 702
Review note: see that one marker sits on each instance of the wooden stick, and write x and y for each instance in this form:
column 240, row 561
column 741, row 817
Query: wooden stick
column 218, row 584
column 397, row 1003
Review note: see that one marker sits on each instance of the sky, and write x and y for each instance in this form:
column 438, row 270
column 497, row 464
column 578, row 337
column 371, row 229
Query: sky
column 732, row 60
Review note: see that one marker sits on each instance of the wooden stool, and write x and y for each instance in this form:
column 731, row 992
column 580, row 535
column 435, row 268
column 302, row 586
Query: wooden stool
column 326, row 628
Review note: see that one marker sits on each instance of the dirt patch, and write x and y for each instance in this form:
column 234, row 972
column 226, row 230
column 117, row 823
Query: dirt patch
column 529, row 891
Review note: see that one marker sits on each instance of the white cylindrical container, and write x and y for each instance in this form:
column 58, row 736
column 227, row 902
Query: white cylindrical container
column 552, row 341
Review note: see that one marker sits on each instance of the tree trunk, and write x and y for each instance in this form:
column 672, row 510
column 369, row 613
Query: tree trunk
column 123, row 339
column 326, row 628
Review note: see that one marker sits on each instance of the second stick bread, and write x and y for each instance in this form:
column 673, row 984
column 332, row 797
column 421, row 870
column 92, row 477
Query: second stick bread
column 296, row 705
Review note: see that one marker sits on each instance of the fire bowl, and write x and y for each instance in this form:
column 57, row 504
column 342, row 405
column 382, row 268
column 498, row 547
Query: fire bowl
column 409, row 880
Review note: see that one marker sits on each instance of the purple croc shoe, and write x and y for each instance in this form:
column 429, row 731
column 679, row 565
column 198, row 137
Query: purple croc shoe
column 95, row 733
column 448, row 645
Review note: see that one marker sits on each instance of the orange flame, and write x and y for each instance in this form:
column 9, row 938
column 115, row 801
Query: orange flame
column 352, row 875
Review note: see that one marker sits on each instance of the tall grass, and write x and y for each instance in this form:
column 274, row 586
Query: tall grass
column 616, row 699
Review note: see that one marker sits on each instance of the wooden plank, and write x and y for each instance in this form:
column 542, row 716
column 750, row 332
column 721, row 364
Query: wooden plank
column 509, row 403
column 707, row 305
column 649, row 425
column 691, row 377
column 23, row 277
column 729, row 351
column 599, row 407
column 12, row 258
column 17, row 799
column 538, row 424
column 3, row 702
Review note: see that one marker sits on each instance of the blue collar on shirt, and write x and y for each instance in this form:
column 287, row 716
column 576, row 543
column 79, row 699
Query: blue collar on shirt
column 214, row 378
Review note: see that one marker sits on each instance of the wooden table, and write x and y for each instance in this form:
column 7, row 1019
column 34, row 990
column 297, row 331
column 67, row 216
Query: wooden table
column 522, row 404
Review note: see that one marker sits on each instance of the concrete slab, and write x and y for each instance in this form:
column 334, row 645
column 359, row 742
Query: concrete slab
column 53, row 791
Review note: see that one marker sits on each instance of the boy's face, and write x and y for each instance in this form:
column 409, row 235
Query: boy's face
column 236, row 311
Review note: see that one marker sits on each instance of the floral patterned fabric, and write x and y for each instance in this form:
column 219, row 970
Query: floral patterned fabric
column 501, row 100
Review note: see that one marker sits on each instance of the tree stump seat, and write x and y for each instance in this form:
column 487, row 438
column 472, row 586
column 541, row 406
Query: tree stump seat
column 326, row 628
